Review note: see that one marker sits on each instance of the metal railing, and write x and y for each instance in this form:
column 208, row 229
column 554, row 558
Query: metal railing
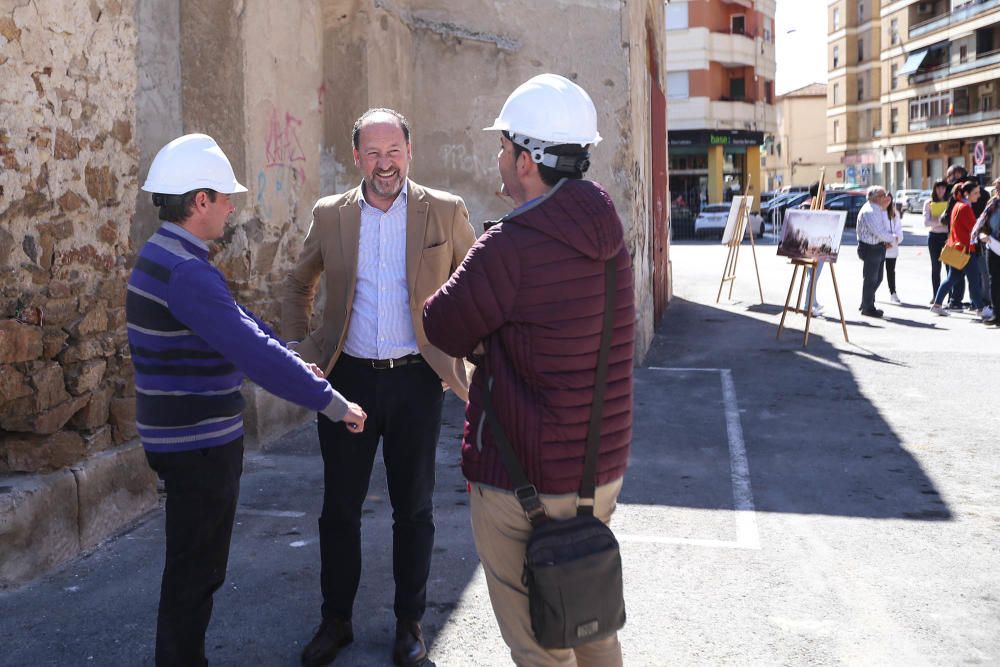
column 964, row 119
column 947, row 19
column 946, row 70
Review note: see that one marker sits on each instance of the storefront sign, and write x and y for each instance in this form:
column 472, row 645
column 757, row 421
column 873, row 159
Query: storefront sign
column 714, row 138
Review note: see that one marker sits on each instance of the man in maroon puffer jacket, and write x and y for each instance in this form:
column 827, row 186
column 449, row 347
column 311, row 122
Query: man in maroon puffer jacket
column 529, row 299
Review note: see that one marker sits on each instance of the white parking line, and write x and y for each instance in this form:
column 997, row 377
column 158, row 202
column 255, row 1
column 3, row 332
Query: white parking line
column 747, row 535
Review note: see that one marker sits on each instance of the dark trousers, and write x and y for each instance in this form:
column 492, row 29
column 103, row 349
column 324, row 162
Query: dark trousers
column 935, row 244
column 994, row 263
column 970, row 273
column 404, row 409
column 873, row 257
column 890, row 273
column 203, row 487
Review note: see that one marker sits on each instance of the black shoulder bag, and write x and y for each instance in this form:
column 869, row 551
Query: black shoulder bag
column 572, row 567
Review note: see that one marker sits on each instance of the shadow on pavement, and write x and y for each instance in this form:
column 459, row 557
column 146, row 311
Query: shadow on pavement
column 815, row 442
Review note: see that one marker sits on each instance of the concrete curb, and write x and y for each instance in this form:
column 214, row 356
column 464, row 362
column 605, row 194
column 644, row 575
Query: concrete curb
column 47, row 519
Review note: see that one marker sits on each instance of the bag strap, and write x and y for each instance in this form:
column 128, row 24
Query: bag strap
column 526, row 492
column 589, row 482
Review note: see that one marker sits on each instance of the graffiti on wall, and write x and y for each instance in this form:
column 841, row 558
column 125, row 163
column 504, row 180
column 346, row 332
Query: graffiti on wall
column 459, row 158
column 284, row 174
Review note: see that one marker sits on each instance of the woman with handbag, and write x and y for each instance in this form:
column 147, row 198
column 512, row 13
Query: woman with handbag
column 988, row 230
column 937, row 232
column 960, row 254
column 892, row 252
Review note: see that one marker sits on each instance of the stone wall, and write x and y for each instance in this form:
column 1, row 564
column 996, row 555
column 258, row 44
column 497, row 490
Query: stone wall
column 67, row 197
column 68, row 183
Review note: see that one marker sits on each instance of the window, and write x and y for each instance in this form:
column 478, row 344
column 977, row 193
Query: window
column 737, row 89
column 677, row 15
column 894, row 120
column 963, row 54
column 836, row 18
column 836, row 93
column 861, row 89
column 894, row 75
column 861, row 50
column 836, row 131
column 769, row 92
column 861, row 13
column 894, row 31
column 677, row 85
column 986, row 102
column 738, row 22
column 836, row 57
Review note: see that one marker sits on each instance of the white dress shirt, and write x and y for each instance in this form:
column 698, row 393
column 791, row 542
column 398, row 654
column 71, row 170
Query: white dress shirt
column 381, row 325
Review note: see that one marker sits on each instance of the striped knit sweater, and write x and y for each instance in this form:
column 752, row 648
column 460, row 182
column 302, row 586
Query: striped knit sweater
column 192, row 344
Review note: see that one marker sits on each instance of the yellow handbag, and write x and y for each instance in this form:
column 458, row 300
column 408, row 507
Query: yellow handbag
column 953, row 257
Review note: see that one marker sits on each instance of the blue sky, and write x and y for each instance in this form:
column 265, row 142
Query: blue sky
column 800, row 43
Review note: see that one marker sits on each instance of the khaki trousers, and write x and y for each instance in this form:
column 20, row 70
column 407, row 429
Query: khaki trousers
column 501, row 532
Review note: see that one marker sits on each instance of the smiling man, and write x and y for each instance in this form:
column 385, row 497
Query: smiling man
column 382, row 249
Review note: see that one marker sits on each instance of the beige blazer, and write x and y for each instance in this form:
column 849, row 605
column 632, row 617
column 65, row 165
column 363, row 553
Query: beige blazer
column 438, row 236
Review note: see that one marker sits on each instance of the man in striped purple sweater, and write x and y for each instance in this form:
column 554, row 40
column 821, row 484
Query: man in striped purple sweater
column 191, row 346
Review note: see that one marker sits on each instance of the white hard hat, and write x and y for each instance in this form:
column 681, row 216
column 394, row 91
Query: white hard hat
column 191, row 162
column 552, row 109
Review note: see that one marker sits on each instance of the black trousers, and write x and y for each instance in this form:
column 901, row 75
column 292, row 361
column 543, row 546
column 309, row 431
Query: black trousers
column 994, row 263
column 203, row 487
column 404, row 410
column 873, row 258
column 890, row 273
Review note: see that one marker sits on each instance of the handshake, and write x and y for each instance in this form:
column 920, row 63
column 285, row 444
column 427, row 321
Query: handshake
column 355, row 417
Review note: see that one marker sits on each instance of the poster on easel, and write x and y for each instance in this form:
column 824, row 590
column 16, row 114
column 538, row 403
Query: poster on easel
column 812, row 234
column 740, row 205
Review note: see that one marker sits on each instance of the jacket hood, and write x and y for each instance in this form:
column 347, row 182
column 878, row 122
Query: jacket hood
column 579, row 214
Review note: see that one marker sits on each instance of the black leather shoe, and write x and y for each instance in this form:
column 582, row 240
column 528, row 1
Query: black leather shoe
column 992, row 321
column 408, row 649
column 333, row 635
column 875, row 312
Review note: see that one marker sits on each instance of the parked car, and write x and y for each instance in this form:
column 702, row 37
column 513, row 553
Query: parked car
column 846, row 201
column 777, row 210
column 902, row 199
column 768, row 196
column 712, row 220
column 916, row 204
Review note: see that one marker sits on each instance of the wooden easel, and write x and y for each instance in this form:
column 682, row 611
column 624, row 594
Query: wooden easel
column 733, row 253
column 809, row 269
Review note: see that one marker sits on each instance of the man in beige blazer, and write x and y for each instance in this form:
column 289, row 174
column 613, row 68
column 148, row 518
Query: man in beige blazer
column 382, row 249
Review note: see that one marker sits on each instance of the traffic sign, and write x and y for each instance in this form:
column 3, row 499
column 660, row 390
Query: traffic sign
column 979, row 153
column 979, row 169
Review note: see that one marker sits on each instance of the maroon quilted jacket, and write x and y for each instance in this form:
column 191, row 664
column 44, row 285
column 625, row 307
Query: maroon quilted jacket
column 532, row 289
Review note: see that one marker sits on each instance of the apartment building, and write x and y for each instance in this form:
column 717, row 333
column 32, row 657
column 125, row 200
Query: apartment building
column 913, row 88
column 796, row 153
column 720, row 87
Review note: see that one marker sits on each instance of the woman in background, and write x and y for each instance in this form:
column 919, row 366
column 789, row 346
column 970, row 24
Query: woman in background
column 937, row 233
column 891, row 253
column 963, row 220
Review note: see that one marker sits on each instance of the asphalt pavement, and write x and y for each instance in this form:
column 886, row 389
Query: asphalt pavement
column 835, row 504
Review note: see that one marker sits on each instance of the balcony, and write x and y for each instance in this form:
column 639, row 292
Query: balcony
column 703, row 113
column 943, row 71
column 732, row 49
column 964, row 119
column 950, row 18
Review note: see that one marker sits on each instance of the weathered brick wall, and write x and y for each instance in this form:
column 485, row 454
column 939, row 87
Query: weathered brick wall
column 67, row 195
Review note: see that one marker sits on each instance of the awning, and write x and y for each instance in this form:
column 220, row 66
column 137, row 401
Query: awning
column 913, row 62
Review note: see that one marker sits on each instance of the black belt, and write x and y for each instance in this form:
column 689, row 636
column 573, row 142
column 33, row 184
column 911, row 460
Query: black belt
column 386, row 364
